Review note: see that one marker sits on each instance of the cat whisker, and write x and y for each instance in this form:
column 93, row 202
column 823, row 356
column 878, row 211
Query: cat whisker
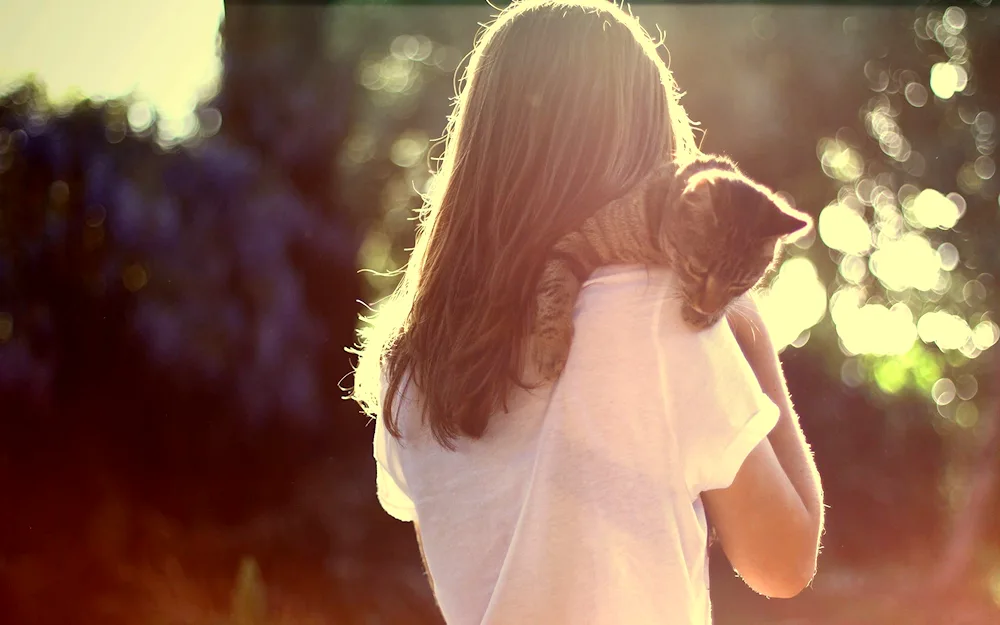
column 740, row 305
column 744, row 315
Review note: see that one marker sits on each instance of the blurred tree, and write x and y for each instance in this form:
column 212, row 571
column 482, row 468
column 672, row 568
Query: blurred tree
column 913, row 236
column 405, row 61
column 283, row 100
column 173, row 317
column 134, row 272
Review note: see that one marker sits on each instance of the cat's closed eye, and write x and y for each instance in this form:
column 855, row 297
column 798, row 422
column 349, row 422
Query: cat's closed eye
column 698, row 270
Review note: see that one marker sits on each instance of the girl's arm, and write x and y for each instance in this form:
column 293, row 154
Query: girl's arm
column 786, row 438
column 769, row 520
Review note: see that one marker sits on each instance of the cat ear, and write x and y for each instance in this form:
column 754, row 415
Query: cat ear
column 699, row 198
column 784, row 222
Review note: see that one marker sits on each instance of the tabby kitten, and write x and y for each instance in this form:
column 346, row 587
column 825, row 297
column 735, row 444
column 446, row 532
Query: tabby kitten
column 717, row 229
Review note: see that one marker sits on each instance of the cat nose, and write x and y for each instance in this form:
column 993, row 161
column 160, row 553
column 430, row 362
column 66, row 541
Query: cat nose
column 702, row 309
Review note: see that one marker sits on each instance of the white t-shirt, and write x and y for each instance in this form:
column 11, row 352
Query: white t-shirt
column 581, row 505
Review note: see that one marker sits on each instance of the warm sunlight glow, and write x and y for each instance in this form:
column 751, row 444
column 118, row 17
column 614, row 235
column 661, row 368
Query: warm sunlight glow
column 931, row 209
column 839, row 160
column 795, row 302
column 871, row 328
column 907, row 262
column 166, row 54
column 843, row 228
column 985, row 335
column 948, row 331
column 947, row 79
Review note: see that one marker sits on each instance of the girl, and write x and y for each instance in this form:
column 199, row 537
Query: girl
column 583, row 501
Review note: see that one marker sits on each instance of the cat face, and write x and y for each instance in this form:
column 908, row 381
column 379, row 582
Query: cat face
column 725, row 232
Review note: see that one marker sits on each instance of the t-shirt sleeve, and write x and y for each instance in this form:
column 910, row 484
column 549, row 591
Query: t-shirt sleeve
column 390, row 483
column 720, row 412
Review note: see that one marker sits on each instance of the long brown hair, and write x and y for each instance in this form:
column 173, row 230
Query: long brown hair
column 564, row 106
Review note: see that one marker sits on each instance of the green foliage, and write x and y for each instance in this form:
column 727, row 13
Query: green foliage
column 406, row 59
column 915, row 209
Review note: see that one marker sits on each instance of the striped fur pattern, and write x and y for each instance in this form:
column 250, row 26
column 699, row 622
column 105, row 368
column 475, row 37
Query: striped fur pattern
column 717, row 229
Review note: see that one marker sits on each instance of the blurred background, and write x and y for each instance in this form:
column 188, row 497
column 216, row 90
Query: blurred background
column 188, row 190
